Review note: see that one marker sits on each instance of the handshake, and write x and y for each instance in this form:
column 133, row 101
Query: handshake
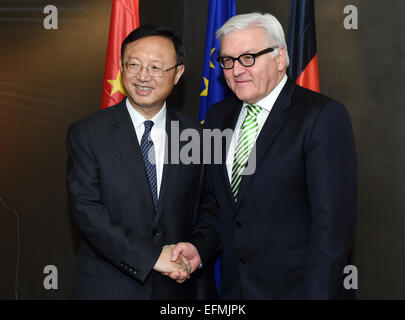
column 178, row 261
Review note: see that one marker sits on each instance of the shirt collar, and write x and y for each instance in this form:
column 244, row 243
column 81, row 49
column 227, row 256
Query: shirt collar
column 268, row 101
column 159, row 120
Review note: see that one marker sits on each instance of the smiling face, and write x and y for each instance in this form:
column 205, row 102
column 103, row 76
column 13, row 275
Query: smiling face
column 145, row 93
column 251, row 84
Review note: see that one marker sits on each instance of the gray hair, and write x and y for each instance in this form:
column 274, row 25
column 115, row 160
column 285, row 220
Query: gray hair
column 267, row 21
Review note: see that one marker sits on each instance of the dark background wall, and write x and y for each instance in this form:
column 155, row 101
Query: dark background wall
column 49, row 79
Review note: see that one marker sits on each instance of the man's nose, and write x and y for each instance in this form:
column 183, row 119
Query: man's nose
column 143, row 74
column 237, row 68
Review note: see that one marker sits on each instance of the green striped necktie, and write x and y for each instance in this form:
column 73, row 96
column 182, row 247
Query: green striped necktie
column 246, row 141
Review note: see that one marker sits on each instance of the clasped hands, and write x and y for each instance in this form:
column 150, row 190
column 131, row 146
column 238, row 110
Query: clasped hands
column 178, row 261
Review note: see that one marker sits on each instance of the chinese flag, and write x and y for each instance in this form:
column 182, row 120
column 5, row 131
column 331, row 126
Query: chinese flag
column 124, row 19
column 301, row 43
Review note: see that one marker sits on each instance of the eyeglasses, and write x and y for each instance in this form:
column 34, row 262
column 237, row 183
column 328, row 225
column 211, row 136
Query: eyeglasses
column 154, row 70
column 246, row 59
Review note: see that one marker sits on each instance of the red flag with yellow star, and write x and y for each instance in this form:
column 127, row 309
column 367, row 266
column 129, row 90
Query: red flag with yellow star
column 124, row 19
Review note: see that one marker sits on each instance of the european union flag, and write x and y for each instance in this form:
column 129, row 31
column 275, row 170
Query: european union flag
column 213, row 86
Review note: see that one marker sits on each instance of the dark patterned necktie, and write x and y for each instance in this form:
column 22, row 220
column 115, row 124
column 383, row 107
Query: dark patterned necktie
column 149, row 159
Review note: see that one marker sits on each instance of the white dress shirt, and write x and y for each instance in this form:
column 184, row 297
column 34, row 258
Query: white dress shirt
column 266, row 104
column 158, row 135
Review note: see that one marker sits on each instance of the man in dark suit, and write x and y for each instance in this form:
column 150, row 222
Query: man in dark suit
column 286, row 194
column 128, row 199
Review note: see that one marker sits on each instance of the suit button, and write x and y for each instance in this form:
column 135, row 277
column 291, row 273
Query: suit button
column 135, row 271
column 156, row 233
column 242, row 261
column 238, row 224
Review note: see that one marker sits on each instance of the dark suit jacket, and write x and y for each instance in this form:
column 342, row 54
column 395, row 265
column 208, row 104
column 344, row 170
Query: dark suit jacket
column 112, row 207
column 290, row 232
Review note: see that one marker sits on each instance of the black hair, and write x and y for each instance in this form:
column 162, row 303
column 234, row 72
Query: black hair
column 152, row 30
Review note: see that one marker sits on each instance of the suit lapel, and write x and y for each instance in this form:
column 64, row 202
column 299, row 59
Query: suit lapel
column 229, row 122
column 169, row 170
column 271, row 127
column 125, row 139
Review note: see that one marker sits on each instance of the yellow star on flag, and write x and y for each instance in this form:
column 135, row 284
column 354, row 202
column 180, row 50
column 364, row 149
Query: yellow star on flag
column 117, row 85
column 204, row 93
column 211, row 64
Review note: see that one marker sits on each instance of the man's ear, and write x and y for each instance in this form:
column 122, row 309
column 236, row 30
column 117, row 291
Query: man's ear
column 178, row 73
column 121, row 65
column 281, row 59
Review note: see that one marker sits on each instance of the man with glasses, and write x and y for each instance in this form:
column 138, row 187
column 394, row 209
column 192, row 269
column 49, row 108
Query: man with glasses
column 286, row 227
column 129, row 200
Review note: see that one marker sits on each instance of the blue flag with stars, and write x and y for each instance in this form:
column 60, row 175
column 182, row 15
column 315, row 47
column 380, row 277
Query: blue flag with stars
column 213, row 86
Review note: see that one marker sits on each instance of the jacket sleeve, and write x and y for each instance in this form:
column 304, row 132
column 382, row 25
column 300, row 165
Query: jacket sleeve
column 330, row 161
column 205, row 234
column 132, row 254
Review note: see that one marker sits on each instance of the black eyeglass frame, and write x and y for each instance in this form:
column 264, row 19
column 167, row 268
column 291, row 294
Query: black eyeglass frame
column 254, row 55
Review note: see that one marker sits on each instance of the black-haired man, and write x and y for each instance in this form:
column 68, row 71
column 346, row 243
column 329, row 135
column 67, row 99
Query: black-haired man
column 127, row 201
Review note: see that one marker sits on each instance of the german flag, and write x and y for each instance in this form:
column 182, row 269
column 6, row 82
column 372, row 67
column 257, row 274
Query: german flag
column 301, row 43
